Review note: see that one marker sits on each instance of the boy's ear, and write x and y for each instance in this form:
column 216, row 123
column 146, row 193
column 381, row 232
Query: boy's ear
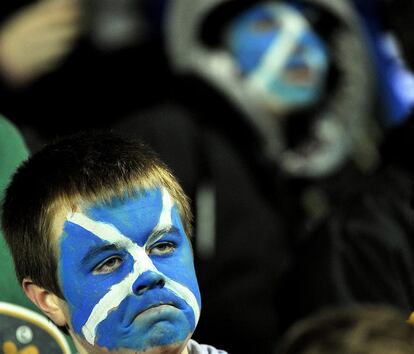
column 46, row 301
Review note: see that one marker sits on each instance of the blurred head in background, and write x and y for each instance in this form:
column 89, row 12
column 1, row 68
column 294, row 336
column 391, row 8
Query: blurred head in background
column 114, row 24
column 399, row 15
column 283, row 59
column 298, row 72
column 356, row 330
column 385, row 27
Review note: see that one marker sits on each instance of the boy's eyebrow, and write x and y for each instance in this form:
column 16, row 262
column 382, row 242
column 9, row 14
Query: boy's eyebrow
column 157, row 234
column 95, row 251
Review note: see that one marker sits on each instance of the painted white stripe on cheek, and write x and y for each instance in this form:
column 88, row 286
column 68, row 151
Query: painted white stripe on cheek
column 186, row 294
column 175, row 287
column 111, row 300
column 118, row 292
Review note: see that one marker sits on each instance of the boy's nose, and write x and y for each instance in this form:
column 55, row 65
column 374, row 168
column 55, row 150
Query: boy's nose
column 148, row 280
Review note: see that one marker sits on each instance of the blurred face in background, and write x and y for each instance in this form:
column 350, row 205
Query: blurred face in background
column 283, row 60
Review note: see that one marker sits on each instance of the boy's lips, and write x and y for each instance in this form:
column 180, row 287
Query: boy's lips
column 154, row 310
column 157, row 301
column 156, row 307
column 161, row 304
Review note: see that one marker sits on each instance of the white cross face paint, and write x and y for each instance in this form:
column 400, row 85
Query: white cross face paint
column 284, row 62
column 128, row 275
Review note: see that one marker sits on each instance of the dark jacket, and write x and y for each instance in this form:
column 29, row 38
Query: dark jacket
column 360, row 252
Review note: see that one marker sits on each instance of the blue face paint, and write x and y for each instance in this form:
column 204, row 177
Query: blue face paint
column 275, row 48
column 127, row 274
column 250, row 36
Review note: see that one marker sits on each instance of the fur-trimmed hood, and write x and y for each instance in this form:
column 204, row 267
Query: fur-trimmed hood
column 344, row 125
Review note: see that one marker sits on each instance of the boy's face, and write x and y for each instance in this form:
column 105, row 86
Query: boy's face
column 127, row 274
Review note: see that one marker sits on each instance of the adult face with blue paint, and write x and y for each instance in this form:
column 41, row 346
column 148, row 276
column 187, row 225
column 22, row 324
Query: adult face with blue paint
column 284, row 62
column 127, row 273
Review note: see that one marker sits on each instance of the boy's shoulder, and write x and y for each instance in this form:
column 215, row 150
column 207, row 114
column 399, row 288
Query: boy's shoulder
column 195, row 348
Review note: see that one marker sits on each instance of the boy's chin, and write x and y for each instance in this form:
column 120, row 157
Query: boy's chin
column 176, row 348
column 153, row 332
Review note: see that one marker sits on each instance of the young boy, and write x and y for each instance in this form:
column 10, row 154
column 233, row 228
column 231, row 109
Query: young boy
column 99, row 232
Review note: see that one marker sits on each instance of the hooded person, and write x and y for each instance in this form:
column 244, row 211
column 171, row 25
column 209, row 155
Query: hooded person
column 354, row 217
column 274, row 61
column 364, row 251
column 258, row 110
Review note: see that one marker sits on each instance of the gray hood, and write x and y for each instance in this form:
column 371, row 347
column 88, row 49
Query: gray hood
column 344, row 127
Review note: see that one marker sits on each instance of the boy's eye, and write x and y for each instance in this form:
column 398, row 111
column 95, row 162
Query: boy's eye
column 108, row 265
column 162, row 248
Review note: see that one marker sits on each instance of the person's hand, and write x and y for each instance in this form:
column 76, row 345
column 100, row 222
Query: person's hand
column 35, row 40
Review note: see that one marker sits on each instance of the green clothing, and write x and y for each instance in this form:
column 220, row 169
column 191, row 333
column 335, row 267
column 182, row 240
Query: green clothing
column 12, row 152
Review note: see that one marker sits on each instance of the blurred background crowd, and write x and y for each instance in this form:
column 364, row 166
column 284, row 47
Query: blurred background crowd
column 288, row 123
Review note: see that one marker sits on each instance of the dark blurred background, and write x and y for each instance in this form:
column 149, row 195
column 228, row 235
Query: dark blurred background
column 288, row 124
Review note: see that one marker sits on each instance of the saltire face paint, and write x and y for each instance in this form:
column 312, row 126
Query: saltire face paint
column 127, row 273
column 282, row 59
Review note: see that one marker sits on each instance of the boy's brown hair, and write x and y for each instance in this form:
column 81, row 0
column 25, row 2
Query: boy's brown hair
column 83, row 168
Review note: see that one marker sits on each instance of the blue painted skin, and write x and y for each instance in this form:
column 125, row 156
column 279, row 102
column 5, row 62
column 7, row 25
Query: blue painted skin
column 249, row 43
column 135, row 218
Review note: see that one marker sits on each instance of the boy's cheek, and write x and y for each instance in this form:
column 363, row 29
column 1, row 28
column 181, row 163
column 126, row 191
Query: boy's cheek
column 81, row 293
column 180, row 268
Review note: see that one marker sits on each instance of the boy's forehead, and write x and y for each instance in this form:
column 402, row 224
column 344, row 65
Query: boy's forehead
column 142, row 208
column 138, row 200
column 131, row 215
